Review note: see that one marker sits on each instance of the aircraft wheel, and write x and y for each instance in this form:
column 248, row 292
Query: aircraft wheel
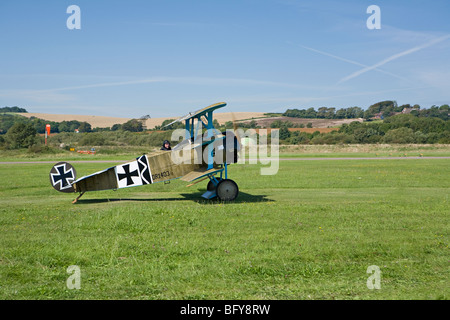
column 227, row 190
column 211, row 186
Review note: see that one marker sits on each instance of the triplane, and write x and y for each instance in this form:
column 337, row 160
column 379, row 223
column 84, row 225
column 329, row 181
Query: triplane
column 201, row 155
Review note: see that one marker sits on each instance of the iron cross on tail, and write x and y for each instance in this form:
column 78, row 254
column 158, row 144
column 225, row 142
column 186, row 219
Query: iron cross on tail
column 204, row 153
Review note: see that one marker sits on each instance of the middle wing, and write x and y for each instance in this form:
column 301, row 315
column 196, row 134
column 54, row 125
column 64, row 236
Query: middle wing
column 201, row 172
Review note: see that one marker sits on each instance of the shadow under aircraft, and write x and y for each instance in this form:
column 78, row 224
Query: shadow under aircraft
column 194, row 197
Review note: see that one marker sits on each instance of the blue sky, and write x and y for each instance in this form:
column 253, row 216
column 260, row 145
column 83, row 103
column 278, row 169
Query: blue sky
column 165, row 58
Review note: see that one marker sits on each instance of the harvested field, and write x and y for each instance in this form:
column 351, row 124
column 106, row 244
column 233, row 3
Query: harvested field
column 94, row 121
column 104, row 121
column 220, row 117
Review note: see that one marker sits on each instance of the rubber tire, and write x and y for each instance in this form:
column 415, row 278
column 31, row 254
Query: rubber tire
column 227, row 190
column 211, row 186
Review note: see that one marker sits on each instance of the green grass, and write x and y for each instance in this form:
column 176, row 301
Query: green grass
column 309, row 232
column 285, row 151
column 103, row 153
column 365, row 150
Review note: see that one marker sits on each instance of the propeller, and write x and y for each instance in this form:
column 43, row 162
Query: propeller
column 238, row 137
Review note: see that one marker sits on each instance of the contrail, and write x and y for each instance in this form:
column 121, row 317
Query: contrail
column 353, row 62
column 391, row 58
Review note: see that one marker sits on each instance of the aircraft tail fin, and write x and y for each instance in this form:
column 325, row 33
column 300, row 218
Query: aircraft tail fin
column 62, row 175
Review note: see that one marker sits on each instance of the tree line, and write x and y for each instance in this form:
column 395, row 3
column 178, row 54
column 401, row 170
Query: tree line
column 8, row 120
column 398, row 129
column 13, row 109
column 325, row 113
column 393, row 125
column 380, row 110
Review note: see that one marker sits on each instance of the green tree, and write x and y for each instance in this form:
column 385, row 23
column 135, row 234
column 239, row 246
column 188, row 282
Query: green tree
column 400, row 135
column 116, row 127
column 229, row 125
column 63, row 127
column 92, row 139
column 8, row 120
column 133, row 125
column 366, row 135
column 310, row 113
column 298, row 137
column 85, row 127
column 68, row 126
column 21, row 135
column 321, row 113
column 176, row 125
column 253, row 124
column 384, row 107
column 354, row 112
column 276, row 124
column 284, row 133
column 13, row 109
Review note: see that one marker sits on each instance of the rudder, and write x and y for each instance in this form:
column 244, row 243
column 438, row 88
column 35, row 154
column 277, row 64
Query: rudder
column 62, row 175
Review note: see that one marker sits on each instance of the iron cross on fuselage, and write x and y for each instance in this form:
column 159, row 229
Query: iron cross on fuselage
column 128, row 175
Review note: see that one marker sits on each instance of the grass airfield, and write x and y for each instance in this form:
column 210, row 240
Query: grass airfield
column 309, row 232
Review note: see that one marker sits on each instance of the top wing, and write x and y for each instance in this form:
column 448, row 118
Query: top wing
column 199, row 113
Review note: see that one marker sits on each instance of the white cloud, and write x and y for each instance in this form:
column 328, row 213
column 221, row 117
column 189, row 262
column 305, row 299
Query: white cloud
column 36, row 96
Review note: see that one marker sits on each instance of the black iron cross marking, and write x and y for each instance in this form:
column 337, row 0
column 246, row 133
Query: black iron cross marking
column 63, row 176
column 128, row 174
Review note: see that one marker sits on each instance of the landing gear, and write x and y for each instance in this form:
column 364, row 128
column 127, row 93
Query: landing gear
column 211, row 186
column 223, row 189
column 227, row 190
